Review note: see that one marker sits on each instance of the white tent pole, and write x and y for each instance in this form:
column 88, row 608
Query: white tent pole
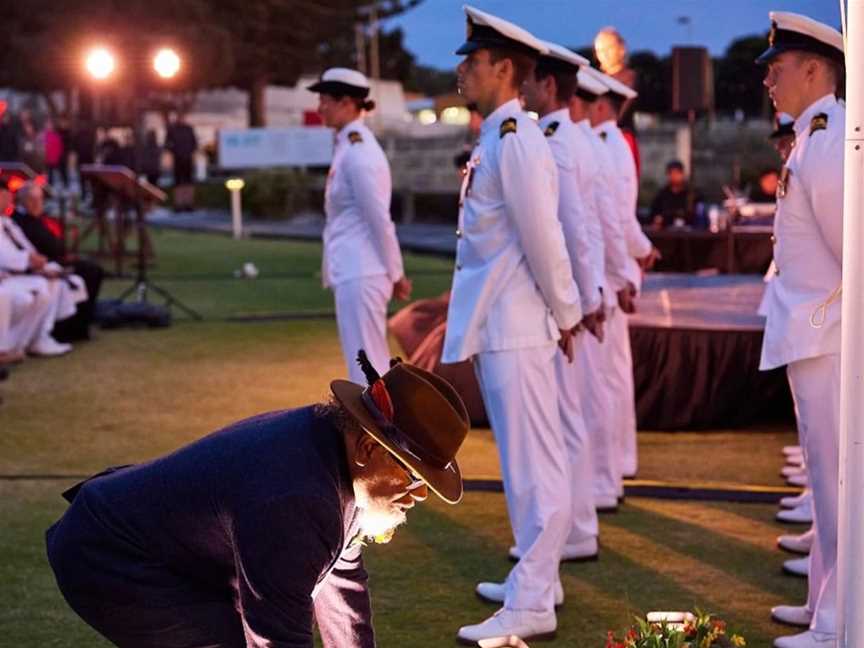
column 850, row 567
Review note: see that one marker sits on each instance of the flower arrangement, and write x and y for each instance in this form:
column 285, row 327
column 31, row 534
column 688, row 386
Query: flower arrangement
column 677, row 631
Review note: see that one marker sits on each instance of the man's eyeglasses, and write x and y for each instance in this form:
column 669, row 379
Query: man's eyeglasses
column 414, row 480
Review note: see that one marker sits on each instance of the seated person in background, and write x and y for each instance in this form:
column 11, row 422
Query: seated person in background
column 674, row 204
column 40, row 295
column 765, row 190
column 30, row 218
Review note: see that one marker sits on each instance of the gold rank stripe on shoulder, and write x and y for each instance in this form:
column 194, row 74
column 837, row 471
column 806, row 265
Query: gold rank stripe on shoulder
column 819, row 122
column 508, row 126
column 551, row 128
column 355, row 137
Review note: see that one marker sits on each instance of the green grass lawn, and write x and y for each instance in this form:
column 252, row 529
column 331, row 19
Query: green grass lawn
column 133, row 394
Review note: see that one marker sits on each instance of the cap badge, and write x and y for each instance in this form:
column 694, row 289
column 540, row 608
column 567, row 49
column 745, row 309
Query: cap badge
column 783, row 182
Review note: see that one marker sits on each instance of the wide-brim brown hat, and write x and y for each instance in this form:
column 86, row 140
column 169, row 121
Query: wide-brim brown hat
column 417, row 416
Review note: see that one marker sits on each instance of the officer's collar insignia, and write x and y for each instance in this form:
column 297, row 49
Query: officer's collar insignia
column 603, row 135
column 783, row 182
column 819, row 122
column 355, row 137
column 508, row 126
column 551, row 128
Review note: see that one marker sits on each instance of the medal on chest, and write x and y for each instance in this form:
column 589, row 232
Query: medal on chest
column 468, row 181
column 783, row 182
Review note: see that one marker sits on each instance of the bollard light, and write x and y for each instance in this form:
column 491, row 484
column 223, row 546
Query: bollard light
column 235, row 186
column 100, row 63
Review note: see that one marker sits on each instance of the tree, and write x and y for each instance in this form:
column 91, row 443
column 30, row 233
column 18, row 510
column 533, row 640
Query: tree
column 46, row 41
column 739, row 79
column 274, row 41
column 397, row 63
column 223, row 42
column 652, row 81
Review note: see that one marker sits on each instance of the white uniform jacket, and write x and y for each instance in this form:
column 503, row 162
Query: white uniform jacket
column 808, row 235
column 617, row 259
column 626, row 196
column 359, row 236
column 583, row 233
column 15, row 249
column 513, row 283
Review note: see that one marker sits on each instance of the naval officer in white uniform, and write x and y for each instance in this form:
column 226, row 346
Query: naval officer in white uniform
column 596, row 376
column 605, row 112
column 362, row 262
column 805, row 64
column 513, row 298
column 547, row 92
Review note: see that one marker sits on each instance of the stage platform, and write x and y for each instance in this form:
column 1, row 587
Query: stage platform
column 696, row 345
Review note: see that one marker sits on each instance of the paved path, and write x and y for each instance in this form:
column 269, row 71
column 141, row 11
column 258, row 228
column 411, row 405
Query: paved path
column 419, row 237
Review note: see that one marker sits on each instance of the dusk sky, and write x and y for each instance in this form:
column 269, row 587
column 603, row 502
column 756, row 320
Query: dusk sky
column 436, row 28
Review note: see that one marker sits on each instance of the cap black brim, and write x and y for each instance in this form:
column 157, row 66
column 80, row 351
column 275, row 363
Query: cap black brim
column 338, row 89
column 770, row 54
column 467, row 47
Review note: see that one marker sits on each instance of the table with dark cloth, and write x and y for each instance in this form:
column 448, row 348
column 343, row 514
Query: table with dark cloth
column 744, row 249
column 696, row 346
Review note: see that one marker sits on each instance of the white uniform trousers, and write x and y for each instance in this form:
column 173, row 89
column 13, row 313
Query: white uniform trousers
column 583, row 523
column 361, row 316
column 624, row 393
column 597, row 388
column 815, row 385
column 520, row 395
column 34, row 304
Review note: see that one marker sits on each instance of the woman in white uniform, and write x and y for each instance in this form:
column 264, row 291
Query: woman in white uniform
column 362, row 262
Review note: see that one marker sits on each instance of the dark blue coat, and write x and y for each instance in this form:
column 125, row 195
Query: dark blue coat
column 256, row 519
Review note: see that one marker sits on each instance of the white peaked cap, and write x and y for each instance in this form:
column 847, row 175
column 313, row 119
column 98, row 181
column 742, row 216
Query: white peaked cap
column 340, row 80
column 794, row 32
column 614, row 85
column 486, row 30
column 564, row 54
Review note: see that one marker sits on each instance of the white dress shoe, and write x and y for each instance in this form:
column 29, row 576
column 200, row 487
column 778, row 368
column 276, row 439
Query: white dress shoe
column 495, row 592
column 797, row 567
column 793, row 615
column 791, row 471
column 801, row 515
column 48, row 347
column 606, row 503
column 794, row 501
column 525, row 624
column 800, row 544
column 792, row 450
column 798, row 480
column 583, row 551
column 807, row 639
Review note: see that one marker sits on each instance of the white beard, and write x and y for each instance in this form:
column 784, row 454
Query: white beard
column 378, row 525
